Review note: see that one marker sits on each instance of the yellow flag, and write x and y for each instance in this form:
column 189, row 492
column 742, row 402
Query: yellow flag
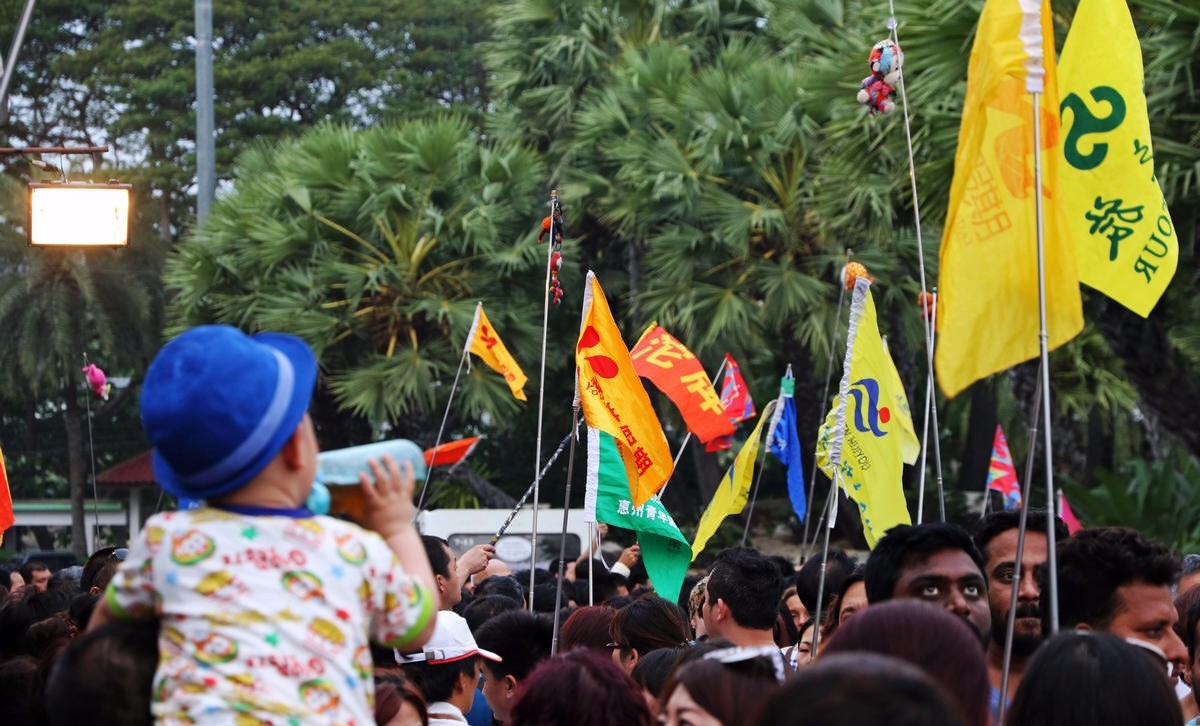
column 1125, row 244
column 987, row 312
column 484, row 341
column 868, row 435
column 614, row 400
column 734, row 489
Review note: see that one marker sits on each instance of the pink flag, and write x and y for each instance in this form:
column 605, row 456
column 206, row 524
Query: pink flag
column 1068, row 517
column 735, row 397
column 1002, row 475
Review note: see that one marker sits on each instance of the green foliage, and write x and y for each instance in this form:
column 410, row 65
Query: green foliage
column 1157, row 497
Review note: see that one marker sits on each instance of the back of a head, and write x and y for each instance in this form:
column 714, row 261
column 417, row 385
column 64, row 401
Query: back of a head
column 860, row 689
column 749, row 583
column 648, row 624
column 582, row 689
column 1081, row 678
column 731, row 683
column 505, row 585
column 482, row 609
column 808, row 579
column 522, row 639
column 587, row 627
column 101, row 567
column 905, row 544
column 941, row 644
column 1093, row 563
column 104, row 677
column 653, row 669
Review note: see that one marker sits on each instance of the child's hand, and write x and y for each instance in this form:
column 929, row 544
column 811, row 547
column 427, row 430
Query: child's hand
column 389, row 500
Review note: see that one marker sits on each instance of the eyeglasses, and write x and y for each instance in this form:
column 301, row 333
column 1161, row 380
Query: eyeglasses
column 120, row 554
column 617, row 646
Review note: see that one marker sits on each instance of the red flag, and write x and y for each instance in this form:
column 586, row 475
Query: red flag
column 451, row 452
column 675, row 371
column 735, row 397
column 1068, row 517
column 6, row 508
column 1002, row 475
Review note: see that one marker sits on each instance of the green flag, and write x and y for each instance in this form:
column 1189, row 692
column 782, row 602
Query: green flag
column 664, row 548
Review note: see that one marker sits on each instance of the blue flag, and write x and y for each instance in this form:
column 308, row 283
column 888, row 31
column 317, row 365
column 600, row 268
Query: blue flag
column 785, row 443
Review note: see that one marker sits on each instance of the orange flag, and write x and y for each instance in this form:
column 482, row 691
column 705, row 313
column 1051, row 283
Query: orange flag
column 675, row 371
column 484, row 341
column 6, row 508
column 614, row 400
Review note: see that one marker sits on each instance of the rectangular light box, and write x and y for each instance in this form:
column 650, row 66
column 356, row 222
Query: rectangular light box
column 79, row 215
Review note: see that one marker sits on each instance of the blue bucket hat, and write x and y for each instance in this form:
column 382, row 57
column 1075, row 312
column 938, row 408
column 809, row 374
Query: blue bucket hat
column 218, row 405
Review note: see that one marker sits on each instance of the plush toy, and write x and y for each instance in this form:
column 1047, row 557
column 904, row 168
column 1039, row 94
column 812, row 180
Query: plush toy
column 554, row 222
column 927, row 302
column 876, row 89
column 97, row 380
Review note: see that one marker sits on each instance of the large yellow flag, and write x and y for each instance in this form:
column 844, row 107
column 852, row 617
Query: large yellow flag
column 868, row 435
column 1125, row 243
column 987, row 312
column 484, row 341
column 614, row 400
column 734, row 489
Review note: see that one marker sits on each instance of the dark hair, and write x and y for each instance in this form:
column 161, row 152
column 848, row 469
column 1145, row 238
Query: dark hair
column 505, row 585
column 649, row 624
column 942, row 644
column 582, row 689
column 545, row 594
column 808, row 579
column 1091, row 677
column 1193, row 620
column 860, row 689
column 437, row 550
column 653, row 669
column 28, row 568
column 48, row 636
column 587, row 627
column 392, row 689
column 749, row 583
column 18, row 686
column 906, row 544
column 101, row 567
column 835, row 615
column 104, row 677
column 482, row 609
column 733, row 693
column 522, row 639
column 1000, row 521
column 605, row 585
column 1095, row 562
column 436, row 680
column 1184, row 602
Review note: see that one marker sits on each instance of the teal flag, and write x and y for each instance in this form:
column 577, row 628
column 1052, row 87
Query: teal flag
column 665, row 550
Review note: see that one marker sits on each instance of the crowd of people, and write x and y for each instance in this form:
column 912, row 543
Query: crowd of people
column 252, row 610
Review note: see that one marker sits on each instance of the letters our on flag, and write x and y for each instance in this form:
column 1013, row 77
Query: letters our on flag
column 864, row 442
column 665, row 550
column 6, row 506
column 659, row 357
column 988, row 312
column 784, row 442
column 734, row 488
column 735, row 397
column 613, row 399
column 1125, row 243
column 484, row 341
column 1002, row 475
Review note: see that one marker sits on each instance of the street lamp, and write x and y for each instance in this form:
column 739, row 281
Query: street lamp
column 70, row 214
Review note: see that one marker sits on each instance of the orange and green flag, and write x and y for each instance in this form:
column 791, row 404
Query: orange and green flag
column 484, row 341
column 988, row 311
column 614, row 400
column 659, row 357
column 1125, row 243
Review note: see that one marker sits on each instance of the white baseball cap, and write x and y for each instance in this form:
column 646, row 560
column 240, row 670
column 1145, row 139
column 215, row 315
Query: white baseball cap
column 451, row 641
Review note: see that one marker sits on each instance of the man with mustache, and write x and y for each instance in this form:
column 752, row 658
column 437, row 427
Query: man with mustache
column 997, row 540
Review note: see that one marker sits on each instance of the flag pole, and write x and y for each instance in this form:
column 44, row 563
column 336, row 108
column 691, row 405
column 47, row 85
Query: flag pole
column 562, row 545
column 529, row 490
column 441, row 430
column 686, row 439
column 762, row 455
column 1034, row 84
column 555, row 229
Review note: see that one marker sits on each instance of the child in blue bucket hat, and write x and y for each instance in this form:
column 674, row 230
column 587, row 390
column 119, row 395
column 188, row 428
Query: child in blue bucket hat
column 267, row 611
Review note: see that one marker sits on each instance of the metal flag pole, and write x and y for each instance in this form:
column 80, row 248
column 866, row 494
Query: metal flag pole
column 562, row 545
column 555, row 229
column 441, row 431
column 1011, row 625
column 762, row 456
column 529, row 490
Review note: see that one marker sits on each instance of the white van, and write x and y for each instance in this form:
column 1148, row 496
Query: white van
column 465, row 528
